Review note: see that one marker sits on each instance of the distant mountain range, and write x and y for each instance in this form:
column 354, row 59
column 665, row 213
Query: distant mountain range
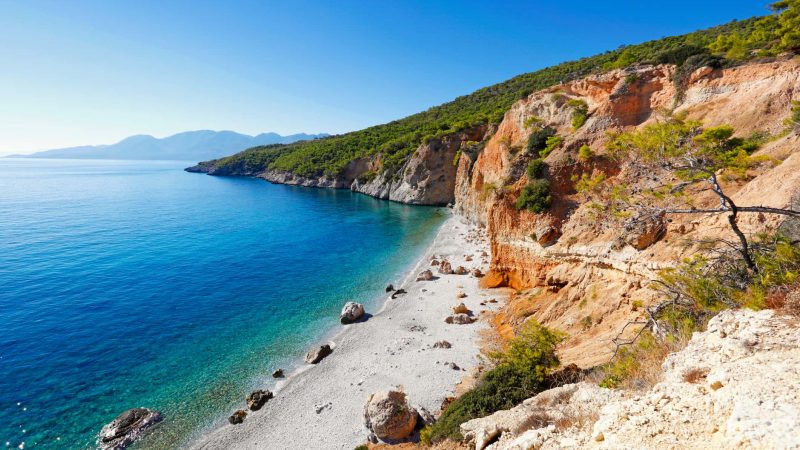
column 188, row 146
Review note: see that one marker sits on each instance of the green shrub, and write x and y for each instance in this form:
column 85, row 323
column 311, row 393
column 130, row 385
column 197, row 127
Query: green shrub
column 585, row 153
column 538, row 139
column 535, row 196
column 457, row 157
column 580, row 111
column 551, row 144
column 536, row 169
column 793, row 122
column 521, row 372
column 631, row 78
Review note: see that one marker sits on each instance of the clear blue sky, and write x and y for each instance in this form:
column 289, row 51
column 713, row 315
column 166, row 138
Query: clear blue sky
column 90, row 72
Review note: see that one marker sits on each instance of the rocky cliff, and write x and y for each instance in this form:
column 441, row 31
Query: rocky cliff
column 579, row 273
column 734, row 386
column 427, row 177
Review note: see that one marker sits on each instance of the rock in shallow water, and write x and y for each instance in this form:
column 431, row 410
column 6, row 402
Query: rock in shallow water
column 389, row 416
column 351, row 312
column 126, row 428
column 278, row 373
column 257, row 399
column 318, row 354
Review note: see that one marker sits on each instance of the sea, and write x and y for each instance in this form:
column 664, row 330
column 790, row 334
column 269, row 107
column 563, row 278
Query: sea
column 135, row 284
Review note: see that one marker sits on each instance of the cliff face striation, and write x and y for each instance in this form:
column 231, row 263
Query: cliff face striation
column 586, row 276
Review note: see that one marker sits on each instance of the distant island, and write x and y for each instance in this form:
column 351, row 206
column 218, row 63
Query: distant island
column 187, row 146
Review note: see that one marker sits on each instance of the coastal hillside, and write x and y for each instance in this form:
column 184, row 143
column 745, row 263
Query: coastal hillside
column 186, row 146
column 637, row 204
column 384, row 160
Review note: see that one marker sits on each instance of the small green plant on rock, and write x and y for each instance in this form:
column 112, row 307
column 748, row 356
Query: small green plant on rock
column 552, row 143
column 585, row 153
column 580, row 112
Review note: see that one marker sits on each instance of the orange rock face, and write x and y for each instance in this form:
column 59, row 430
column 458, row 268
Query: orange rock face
column 580, row 274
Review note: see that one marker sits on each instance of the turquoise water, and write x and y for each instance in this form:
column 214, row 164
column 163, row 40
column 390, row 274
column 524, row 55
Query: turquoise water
column 127, row 284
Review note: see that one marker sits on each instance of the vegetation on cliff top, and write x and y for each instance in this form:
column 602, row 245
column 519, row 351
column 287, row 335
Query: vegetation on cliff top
column 396, row 140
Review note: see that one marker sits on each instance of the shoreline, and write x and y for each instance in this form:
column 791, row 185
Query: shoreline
column 321, row 406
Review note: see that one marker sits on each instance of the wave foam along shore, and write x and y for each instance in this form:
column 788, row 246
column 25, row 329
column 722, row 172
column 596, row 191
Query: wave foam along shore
column 322, row 406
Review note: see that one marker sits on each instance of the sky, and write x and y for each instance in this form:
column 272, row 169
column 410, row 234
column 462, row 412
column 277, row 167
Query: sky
column 93, row 72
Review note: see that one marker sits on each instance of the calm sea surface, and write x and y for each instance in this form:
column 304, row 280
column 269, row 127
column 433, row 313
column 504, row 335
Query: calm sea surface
column 129, row 283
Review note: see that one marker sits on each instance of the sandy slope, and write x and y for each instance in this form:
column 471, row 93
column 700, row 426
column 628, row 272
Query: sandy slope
column 392, row 348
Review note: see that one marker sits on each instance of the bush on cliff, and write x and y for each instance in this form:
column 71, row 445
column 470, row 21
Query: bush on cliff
column 520, row 372
column 538, row 139
column 535, row 197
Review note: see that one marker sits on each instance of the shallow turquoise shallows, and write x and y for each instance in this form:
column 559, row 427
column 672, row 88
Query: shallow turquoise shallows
column 126, row 284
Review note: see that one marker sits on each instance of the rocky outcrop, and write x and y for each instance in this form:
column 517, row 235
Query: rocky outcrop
column 126, row 428
column 351, row 312
column 316, row 355
column 734, row 386
column 429, row 175
column 389, row 416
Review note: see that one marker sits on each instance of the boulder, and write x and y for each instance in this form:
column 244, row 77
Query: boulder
column 445, row 268
column 237, row 417
column 351, row 312
column 477, row 273
column 461, row 270
column 398, row 292
column 389, row 288
column 278, row 373
column 461, row 295
column 442, row 344
column 318, row 354
column 461, row 309
column 435, row 262
column 468, row 258
column 257, row 399
column 389, row 416
column 643, row 231
column 126, row 428
column 459, row 319
column 425, row 275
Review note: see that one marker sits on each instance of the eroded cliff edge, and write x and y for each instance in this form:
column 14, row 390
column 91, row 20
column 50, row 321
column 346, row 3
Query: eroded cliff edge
column 581, row 274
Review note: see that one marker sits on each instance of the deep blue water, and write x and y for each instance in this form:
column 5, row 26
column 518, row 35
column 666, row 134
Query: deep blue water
column 128, row 284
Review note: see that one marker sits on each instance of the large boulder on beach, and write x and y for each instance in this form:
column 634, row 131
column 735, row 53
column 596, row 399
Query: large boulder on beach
column 318, row 354
column 389, row 416
column 445, row 268
column 126, row 428
column 461, row 270
column 459, row 319
column 425, row 275
column 351, row 312
column 257, row 399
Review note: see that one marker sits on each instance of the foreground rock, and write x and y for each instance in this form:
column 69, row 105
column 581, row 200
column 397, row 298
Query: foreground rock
column 389, row 416
column 461, row 309
column 445, row 268
column 318, row 354
column 126, row 428
column 734, row 386
column 257, row 399
column 237, row 417
column 278, row 373
column 351, row 312
column 461, row 270
column 459, row 319
column 425, row 275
